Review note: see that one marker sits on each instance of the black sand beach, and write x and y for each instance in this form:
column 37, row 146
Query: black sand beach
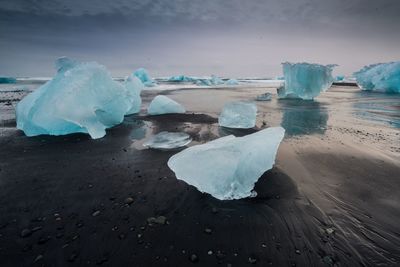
column 332, row 198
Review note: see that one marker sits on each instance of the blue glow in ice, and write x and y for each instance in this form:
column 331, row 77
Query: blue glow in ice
column 144, row 77
column 228, row 167
column 339, row 78
column 238, row 115
column 8, row 80
column 82, row 97
column 305, row 80
column 382, row 77
column 164, row 105
column 232, row 82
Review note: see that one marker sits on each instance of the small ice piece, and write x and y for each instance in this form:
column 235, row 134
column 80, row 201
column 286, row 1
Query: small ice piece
column 144, row 77
column 232, row 82
column 305, row 80
column 382, row 77
column 264, row 97
column 339, row 78
column 228, row 167
column 82, row 97
column 216, row 80
column 8, row 80
column 238, row 114
column 168, row 140
column 164, row 105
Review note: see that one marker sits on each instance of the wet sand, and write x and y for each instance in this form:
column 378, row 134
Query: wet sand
column 331, row 200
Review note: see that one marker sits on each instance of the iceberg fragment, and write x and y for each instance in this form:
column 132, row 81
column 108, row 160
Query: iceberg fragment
column 232, row 82
column 264, row 97
column 8, row 80
column 168, row 140
column 305, row 80
column 144, row 77
column 164, row 105
column 228, row 167
column 238, row 114
column 339, row 78
column 181, row 78
column 382, row 77
column 134, row 87
column 82, row 97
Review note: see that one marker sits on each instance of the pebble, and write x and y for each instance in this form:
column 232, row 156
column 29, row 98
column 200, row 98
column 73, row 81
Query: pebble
column 26, row 232
column 208, row 231
column 38, row 258
column 128, row 200
column 210, row 252
column 96, row 213
column 297, row 251
column 252, row 260
column 157, row 220
column 194, row 258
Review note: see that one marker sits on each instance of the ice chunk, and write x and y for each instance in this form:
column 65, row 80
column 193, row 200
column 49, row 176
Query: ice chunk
column 8, row 80
column 264, row 97
column 134, row 87
column 216, row 80
column 164, row 105
column 383, row 77
column 168, row 140
column 181, row 78
column 232, row 82
column 228, row 167
column 238, row 114
column 144, row 77
column 305, row 80
column 339, row 78
column 82, row 97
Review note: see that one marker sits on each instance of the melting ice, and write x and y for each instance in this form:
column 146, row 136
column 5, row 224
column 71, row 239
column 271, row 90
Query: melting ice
column 164, row 105
column 228, row 167
column 238, row 114
column 82, row 97
column 305, row 80
column 383, row 77
column 144, row 77
column 168, row 140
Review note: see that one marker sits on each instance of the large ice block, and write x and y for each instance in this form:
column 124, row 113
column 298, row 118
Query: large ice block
column 164, row 105
column 82, row 97
column 144, row 77
column 228, row 167
column 168, row 140
column 238, row 114
column 134, row 87
column 305, row 80
column 382, row 77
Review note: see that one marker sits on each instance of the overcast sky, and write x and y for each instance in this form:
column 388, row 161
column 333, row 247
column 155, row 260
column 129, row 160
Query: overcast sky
column 231, row 38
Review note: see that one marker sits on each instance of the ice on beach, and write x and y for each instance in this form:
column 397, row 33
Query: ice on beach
column 339, row 78
column 8, row 80
column 264, row 97
column 144, row 77
column 82, row 97
column 238, row 114
column 164, row 105
column 168, row 140
column 382, row 77
column 181, row 78
column 232, row 82
column 305, row 80
column 228, row 167
column 134, row 87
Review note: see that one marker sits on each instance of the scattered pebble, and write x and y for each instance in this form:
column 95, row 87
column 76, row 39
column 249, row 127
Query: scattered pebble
column 252, row 260
column 194, row 258
column 96, row 213
column 38, row 258
column 208, row 231
column 128, row 200
column 157, row 220
column 26, row 232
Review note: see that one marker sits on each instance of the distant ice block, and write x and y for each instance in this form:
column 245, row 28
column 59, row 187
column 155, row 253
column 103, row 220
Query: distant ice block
column 216, row 80
column 305, row 80
column 339, row 78
column 238, row 114
column 8, row 80
column 164, row 105
column 382, row 77
column 181, row 78
column 168, row 140
column 228, row 167
column 264, row 97
column 232, row 82
column 82, row 97
column 144, row 77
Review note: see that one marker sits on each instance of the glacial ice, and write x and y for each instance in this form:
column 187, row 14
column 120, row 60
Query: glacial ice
column 232, row 82
column 144, row 77
column 228, row 167
column 164, row 105
column 238, row 114
column 339, row 78
column 168, row 140
column 8, row 80
column 264, row 97
column 305, row 80
column 382, row 77
column 81, row 97
column 134, row 87
column 181, row 78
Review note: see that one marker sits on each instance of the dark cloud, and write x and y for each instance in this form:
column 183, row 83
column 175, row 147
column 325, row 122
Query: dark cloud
column 227, row 37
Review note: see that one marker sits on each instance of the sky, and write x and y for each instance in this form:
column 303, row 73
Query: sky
column 229, row 38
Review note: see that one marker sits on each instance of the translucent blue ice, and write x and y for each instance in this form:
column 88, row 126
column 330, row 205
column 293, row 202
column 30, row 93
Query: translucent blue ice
column 134, row 87
column 305, row 80
column 82, row 97
column 181, row 78
column 339, row 78
column 382, row 77
column 144, row 77
column 168, row 140
column 8, row 80
column 164, row 105
column 228, row 167
column 232, row 82
column 238, row 114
